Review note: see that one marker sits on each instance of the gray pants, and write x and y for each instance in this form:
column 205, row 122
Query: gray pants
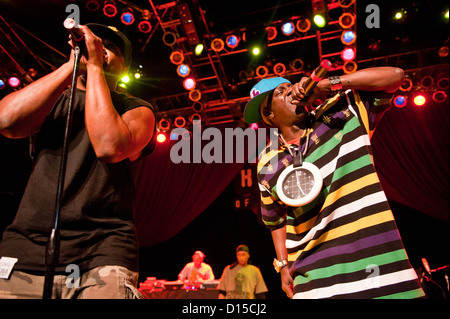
column 106, row 282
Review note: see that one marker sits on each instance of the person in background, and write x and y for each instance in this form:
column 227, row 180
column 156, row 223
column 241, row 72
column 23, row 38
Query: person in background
column 196, row 271
column 241, row 280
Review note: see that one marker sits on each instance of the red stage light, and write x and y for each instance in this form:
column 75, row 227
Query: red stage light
column 110, row 9
column 180, row 121
column 144, row 26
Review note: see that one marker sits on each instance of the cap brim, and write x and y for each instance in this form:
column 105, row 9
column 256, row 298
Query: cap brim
column 251, row 111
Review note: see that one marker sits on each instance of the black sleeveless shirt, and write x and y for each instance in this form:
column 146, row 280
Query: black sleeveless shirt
column 96, row 218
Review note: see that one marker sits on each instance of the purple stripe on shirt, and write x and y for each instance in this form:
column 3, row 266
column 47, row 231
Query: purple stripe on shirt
column 353, row 247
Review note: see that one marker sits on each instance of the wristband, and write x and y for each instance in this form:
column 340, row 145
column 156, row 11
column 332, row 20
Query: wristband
column 335, row 82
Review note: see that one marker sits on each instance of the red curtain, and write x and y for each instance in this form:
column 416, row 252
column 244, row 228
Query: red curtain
column 411, row 153
column 169, row 196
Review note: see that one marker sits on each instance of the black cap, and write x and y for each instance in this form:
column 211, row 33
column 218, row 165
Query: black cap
column 242, row 248
column 117, row 37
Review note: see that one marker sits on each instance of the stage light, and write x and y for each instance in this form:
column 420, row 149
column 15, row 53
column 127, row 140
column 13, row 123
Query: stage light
column 109, row 8
column 197, row 106
column 169, row 38
column 127, row 16
column 400, row 101
column 164, row 124
column 439, row 96
column 179, row 122
column 187, row 22
column 176, row 57
column 232, row 41
column 92, row 5
column 288, row 28
column 271, row 33
column 32, row 72
column 183, row 70
column 121, row 87
column 255, row 39
column 254, row 126
column 303, row 25
column 442, row 83
column 125, row 79
column 189, row 84
column 296, row 65
column 349, row 67
column 195, row 95
column 406, row 85
column 161, row 137
column 443, row 52
column 348, row 37
column 144, row 24
column 319, row 20
column 195, row 117
column 446, row 14
column 2, row 84
column 199, row 49
column 217, row 45
column 347, row 20
column 399, row 15
column 427, row 82
column 262, row 71
column 256, row 51
column 346, row 3
column 13, row 82
column 279, row 69
column 348, row 54
column 319, row 13
column 420, row 100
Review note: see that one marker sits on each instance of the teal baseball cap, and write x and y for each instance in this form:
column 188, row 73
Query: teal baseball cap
column 252, row 114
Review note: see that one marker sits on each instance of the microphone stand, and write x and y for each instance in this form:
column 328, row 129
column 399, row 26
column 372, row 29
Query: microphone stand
column 52, row 249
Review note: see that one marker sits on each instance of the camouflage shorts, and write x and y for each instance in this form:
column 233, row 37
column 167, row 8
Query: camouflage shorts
column 105, row 282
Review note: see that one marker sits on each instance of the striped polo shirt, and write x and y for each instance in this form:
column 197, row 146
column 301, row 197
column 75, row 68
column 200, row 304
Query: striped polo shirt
column 345, row 243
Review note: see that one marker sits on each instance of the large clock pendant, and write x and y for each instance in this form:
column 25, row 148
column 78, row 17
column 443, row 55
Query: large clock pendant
column 298, row 186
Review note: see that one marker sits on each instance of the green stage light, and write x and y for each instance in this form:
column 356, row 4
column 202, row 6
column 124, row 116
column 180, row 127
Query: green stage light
column 319, row 20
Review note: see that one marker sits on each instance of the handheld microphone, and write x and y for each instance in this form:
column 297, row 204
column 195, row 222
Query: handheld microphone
column 72, row 26
column 317, row 75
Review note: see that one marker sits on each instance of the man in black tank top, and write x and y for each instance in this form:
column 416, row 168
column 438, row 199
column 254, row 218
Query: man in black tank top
column 98, row 255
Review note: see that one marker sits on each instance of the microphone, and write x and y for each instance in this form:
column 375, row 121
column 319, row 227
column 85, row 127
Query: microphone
column 72, row 26
column 317, row 75
column 426, row 265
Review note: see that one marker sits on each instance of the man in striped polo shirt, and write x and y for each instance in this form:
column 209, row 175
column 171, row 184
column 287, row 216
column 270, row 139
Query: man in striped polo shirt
column 342, row 241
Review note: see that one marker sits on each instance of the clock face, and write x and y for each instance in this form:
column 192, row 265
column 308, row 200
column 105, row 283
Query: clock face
column 298, row 183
